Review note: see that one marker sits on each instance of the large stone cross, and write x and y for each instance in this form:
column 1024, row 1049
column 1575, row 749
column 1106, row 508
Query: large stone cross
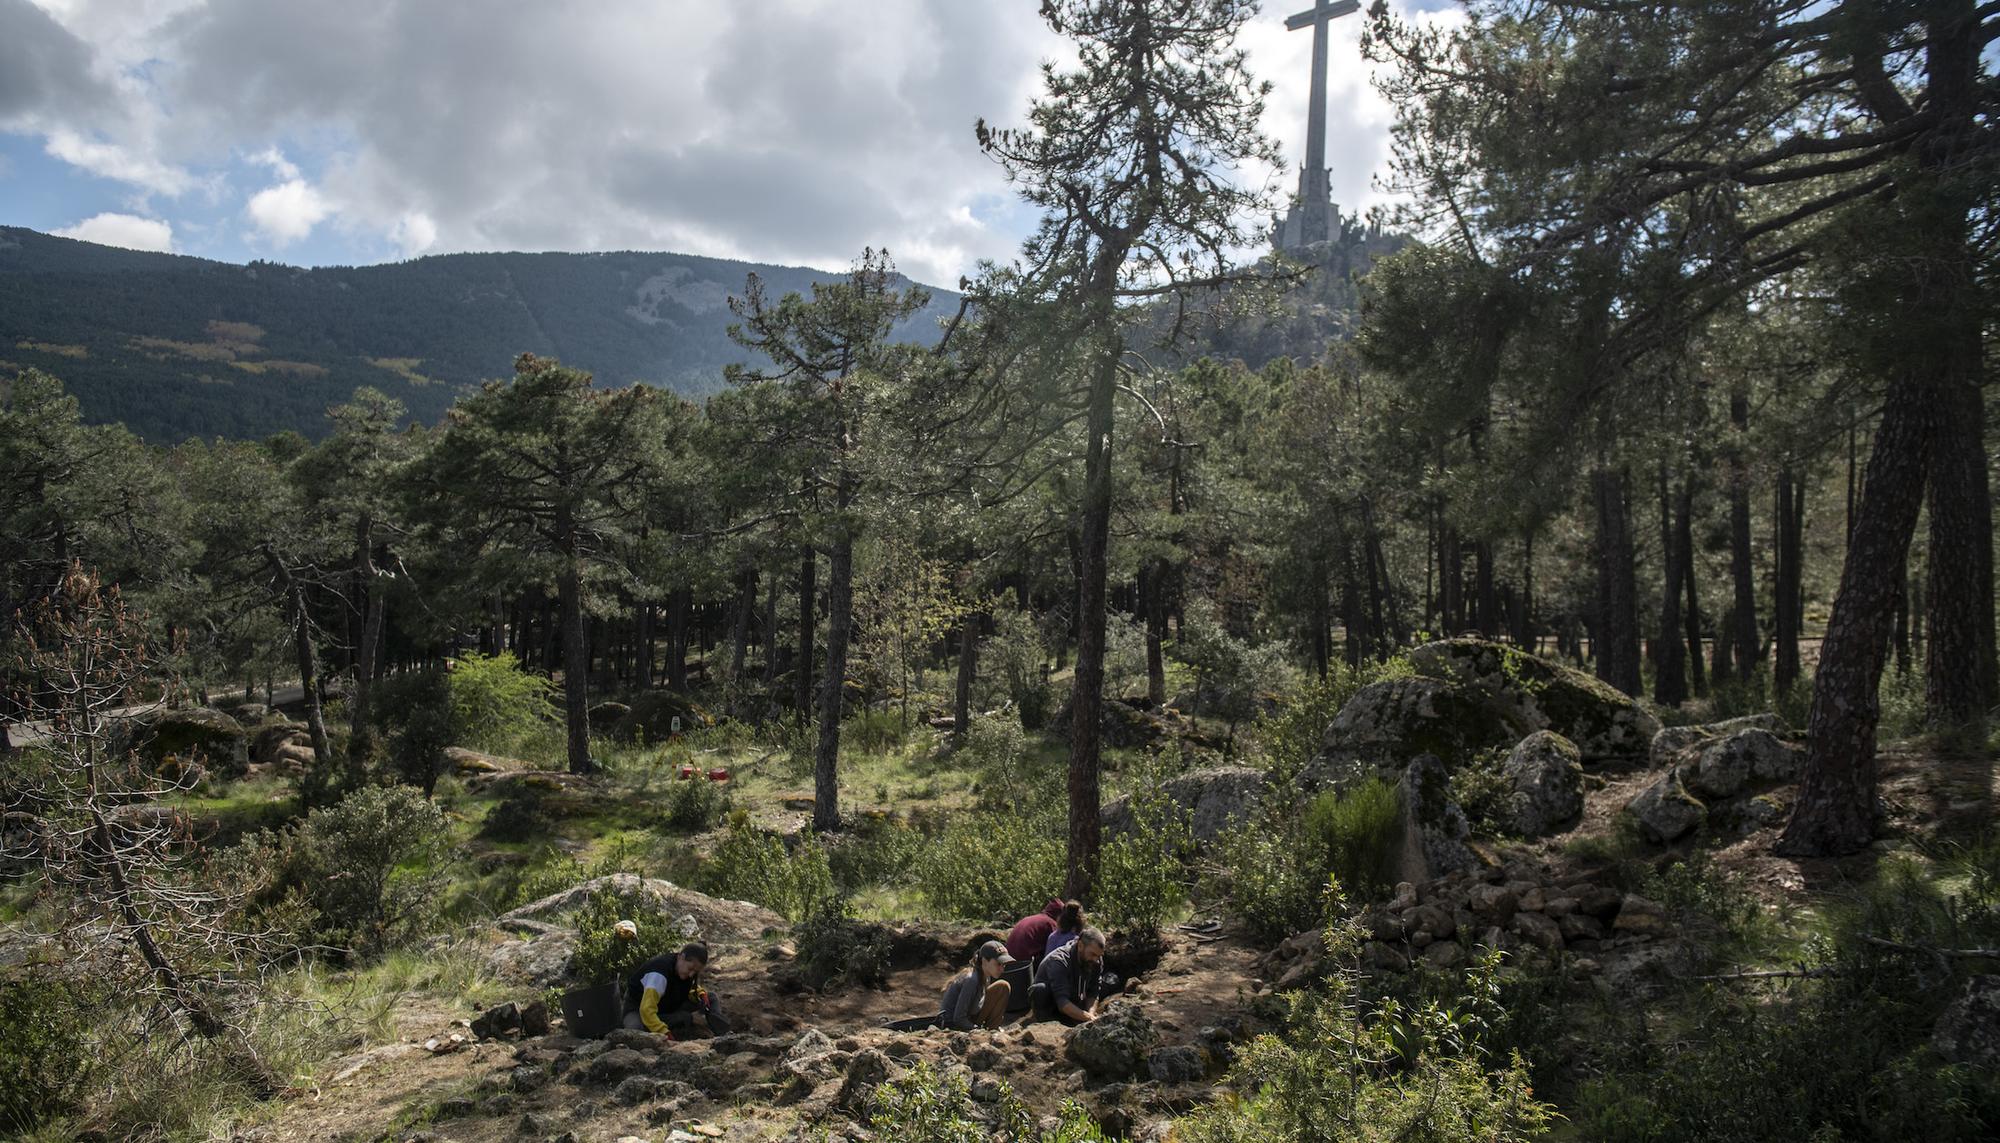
column 1315, row 196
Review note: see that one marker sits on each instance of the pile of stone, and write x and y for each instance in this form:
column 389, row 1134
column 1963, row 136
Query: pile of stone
column 1722, row 775
column 1515, row 908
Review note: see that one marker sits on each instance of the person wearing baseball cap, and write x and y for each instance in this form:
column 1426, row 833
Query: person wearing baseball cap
column 977, row 997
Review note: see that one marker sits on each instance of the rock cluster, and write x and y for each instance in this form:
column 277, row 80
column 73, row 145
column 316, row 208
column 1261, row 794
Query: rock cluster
column 1717, row 775
column 1604, row 723
column 1516, row 908
column 1213, row 798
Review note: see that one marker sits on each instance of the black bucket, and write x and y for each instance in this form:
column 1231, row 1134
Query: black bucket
column 593, row 1012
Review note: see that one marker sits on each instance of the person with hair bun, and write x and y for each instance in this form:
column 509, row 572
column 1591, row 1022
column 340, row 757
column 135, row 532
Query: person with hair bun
column 1069, row 923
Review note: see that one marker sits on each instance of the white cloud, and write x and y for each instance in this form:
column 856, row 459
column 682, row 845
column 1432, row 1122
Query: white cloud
column 414, row 233
column 285, row 213
column 127, row 230
column 116, row 161
column 275, row 159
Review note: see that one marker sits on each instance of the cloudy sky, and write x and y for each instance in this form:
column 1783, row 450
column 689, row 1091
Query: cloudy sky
column 355, row 131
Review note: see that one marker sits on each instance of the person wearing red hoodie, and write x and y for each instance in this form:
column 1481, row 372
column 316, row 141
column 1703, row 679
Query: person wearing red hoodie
column 1029, row 934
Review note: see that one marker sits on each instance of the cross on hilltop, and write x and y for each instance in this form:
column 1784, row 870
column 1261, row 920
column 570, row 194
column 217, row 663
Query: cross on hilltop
column 1312, row 216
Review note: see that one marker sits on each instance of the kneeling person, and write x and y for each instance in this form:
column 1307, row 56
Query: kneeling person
column 1069, row 984
column 665, row 995
column 977, row 997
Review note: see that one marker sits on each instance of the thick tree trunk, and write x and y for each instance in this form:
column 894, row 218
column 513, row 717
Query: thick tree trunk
column 576, row 654
column 1451, row 589
column 647, row 643
column 1743, row 612
column 1488, row 602
column 803, row 668
column 677, row 639
column 1900, row 640
column 1616, row 639
column 839, row 623
column 1960, row 681
column 1669, row 667
column 1087, row 693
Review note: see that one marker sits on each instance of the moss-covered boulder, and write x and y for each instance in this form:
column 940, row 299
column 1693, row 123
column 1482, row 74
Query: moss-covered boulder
column 175, row 740
column 651, row 717
column 1389, row 723
column 1605, row 723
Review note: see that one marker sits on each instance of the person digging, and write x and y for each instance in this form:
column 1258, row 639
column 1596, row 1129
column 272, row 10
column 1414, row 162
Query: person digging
column 665, row 995
column 1070, row 982
column 977, row 997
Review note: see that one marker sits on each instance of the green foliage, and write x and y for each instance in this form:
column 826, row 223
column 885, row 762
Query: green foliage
column 1344, row 1070
column 1142, row 873
column 754, row 865
column 1272, row 872
column 696, row 804
column 874, row 851
column 495, row 704
column 1017, row 656
column 520, row 815
column 985, row 864
column 1481, row 789
column 873, row 731
column 362, row 875
column 996, row 751
column 600, row 955
column 414, row 711
column 835, row 950
column 1292, row 734
column 924, row 1105
column 45, row 1054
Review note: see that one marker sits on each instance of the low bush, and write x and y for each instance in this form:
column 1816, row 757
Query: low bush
column 982, row 864
column 925, row 1105
column 755, row 865
column 601, row 955
column 874, row 852
column 45, row 1053
column 520, row 815
column 1142, row 878
column 873, row 731
column 835, row 950
column 1271, row 873
column 696, row 804
column 1346, row 1069
column 1482, row 790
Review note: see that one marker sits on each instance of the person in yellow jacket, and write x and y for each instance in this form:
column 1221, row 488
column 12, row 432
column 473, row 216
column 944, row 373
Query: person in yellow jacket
column 665, row 995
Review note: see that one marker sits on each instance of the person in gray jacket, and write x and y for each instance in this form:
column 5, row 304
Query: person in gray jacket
column 1070, row 982
column 977, row 997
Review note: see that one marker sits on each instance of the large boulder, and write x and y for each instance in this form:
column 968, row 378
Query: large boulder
column 1386, row 724
column 1546, row 773
column 1725, row 767
column 1213, row 799
column 1665, row 811
column 651, row 717
column 1115, row 1045
column 534, row 942
column 1120, row 723
column 1605, row 723
column 1668, row 744
column 269, row 744
column 1968, row 1031
column 198, row 736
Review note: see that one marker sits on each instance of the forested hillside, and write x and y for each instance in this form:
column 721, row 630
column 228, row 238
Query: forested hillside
column 178, row 347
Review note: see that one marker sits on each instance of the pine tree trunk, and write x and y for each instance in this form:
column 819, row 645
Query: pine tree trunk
column 1153, row 595
column 803, row 669
column 308, row 661
column 371, row 636
column 1684, row 542
column 1087, row 693
column 1451, row 587
column 677, row 639
column 1741, row 565
column 1960, row 682
column 1669, row 668
column 647, row 641
column 1787, row 588
column 1617, row 634
column 968, row 665
column 832, row 696
column 576, row 652
column 1901, row 637
column 1489, row 606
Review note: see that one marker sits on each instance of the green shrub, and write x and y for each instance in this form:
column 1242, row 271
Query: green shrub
column 1017, row 656
column 1272, row 872
column 755, row 865
column 45, row 1052
column 875, row 851
column 1344, row 1069
column 981, row 865
column 413, row 718
column 1481, row 789
column 1142, row 873
column 696, row 804
column 495, row 705
column 924, row 1105
column 873, row 731
column 600, row 955
column 520, row 815
column 1291, row 735
column 366, row 873
column 835, row 950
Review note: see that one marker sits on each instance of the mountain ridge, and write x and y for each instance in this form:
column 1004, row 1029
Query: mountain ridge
column 175, row 346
